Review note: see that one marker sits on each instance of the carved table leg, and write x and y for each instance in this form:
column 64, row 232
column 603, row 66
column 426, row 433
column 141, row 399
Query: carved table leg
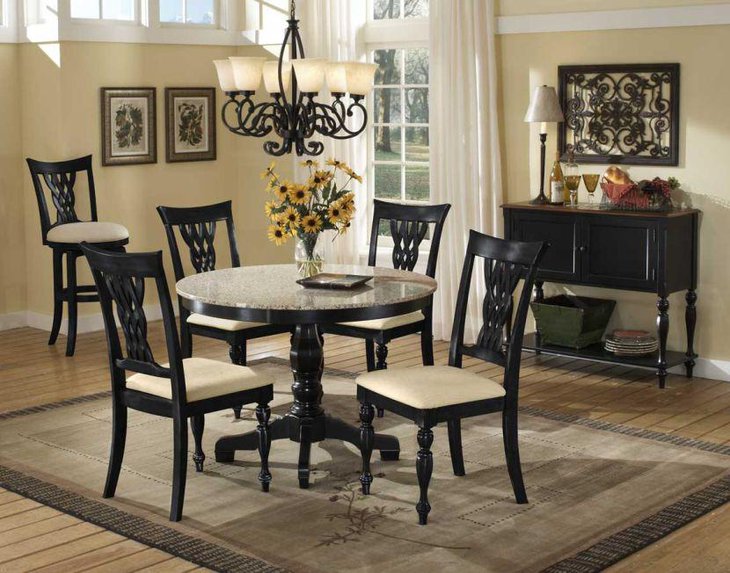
column 539, row 297
column 690, row 320
column 662, row 324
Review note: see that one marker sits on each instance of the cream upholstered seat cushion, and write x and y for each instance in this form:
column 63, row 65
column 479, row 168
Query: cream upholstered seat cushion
column 89, row 231
column 221, row 323
column 204, row 378
column 388, row 321
column 430, row 387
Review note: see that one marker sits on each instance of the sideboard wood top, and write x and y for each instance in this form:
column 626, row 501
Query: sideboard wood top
column 596, row 210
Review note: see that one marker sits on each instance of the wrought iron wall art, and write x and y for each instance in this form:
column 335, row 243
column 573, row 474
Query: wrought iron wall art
column 625, row 113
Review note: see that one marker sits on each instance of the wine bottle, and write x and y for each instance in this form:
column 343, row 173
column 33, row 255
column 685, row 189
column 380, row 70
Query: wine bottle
column 557, row 183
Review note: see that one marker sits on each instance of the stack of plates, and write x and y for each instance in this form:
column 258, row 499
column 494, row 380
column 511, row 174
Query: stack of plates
column 631, row 343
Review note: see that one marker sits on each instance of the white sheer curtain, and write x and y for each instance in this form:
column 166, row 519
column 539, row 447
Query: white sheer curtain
column 333, row 29
column 465, row 158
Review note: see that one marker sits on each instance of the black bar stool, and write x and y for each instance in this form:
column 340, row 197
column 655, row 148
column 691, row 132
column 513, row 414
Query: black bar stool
column 65, row 235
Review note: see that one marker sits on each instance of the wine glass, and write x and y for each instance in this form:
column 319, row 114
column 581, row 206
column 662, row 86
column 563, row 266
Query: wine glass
column 590, row 180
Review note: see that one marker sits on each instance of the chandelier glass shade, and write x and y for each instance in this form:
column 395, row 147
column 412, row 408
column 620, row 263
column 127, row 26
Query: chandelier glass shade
column 293, row 115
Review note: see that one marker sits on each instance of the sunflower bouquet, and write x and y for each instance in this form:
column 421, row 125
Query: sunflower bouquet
column 305, row 210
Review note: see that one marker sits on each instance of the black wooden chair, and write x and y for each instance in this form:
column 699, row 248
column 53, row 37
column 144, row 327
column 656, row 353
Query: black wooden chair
column 408, row 226
column 181, row 389
column 197, row 228
column 432, row 394
column 67, row 232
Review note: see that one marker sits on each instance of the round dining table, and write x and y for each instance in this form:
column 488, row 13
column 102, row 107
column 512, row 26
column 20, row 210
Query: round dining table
column 271, row 294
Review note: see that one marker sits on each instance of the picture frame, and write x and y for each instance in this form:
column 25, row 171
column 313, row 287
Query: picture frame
column 190, row 124
column 128, row 126
column 620, row 113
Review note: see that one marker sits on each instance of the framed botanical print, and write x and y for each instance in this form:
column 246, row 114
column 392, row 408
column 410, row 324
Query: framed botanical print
column 128, row 126
column 190, row 124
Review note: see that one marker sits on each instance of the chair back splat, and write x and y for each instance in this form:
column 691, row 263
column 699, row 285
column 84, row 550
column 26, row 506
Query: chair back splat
column 60, row 179
column 120, row 280
column 505, row 264
column 408, row 228
column 197, row 228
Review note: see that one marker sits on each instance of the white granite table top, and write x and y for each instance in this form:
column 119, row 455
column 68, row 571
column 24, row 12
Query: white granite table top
column 274, row 288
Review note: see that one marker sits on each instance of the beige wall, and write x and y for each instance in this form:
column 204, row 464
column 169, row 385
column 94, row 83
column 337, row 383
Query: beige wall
column 12, row 253
column 527, row 60
column 61, row 119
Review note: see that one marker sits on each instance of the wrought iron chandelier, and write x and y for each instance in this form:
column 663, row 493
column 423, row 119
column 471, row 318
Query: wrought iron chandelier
column 294, row 117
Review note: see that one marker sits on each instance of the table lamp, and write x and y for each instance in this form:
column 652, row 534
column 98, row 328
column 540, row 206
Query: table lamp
column 544, row 108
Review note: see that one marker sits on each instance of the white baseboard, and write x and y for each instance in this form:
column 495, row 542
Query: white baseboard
column 86, row 322
column 708, row 368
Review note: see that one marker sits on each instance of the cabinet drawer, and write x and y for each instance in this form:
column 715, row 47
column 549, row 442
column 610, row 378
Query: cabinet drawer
column 620, row 252
column 561, row 261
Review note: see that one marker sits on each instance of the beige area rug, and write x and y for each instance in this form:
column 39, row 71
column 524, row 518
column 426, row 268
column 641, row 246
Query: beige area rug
column 597, row 491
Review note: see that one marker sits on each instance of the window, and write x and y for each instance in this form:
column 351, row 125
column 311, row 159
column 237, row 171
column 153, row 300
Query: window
column 398, row 9
column 399, row 126
column 103, row 9
column 197, row 12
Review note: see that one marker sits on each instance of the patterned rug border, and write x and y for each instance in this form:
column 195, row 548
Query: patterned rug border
column 597, row 557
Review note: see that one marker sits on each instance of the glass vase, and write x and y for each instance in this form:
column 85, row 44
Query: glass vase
column 308, row 255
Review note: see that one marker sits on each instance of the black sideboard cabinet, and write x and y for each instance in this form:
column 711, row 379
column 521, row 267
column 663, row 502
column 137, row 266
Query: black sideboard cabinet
column 629, row 250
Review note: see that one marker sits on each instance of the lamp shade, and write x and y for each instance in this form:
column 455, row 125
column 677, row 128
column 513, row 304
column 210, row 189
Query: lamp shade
column 271, row 76
column 360, row 77
column 310, row 74
column 336, row 77
column 225, row 75
column 247, row 72
column 544, row 106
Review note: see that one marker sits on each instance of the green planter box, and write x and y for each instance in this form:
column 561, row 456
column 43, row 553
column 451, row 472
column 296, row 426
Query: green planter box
column 572, row 321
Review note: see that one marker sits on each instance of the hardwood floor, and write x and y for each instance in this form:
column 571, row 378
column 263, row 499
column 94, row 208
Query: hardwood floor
column 32, row 373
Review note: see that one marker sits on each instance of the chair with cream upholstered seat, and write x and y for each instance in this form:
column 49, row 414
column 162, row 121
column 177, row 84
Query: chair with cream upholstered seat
column 430, row 395
column 197, row 228
column 408, row 227
column 180, row 389
column 67, row 232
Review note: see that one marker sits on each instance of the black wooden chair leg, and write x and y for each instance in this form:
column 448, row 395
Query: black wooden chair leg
column 381, row 351
column 119, row 439
column 367, row 440
column 198, row 425
column 263, row 414
column 186, row 340
column 424, row 468
column 180, row 467
column 427, row 344
column 71, row 287
column 457, row 454
column 237, row 352
column 512, row 453
column 57, row 295
column 370, row 354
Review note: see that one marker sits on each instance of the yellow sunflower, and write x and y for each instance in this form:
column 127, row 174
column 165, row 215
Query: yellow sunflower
column 311, row 163
column 300, row 195
column 269, row 171
column 311, row 223
column 319, row 179
column 352, row 173
column 277, row 234
column 347, row 203
column 281, row 190
column 292, row 217
column 337, row 164
column 335, row 213
column 269, row 208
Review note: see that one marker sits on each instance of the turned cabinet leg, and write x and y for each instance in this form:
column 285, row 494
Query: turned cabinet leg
column 662, row 324
column 539, row 297
column 690, row 320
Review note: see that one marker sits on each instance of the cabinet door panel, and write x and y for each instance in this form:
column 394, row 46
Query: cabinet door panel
column 561, row 261
column 620, row 252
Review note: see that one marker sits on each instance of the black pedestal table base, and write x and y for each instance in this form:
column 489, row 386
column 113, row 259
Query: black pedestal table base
column 306, row 422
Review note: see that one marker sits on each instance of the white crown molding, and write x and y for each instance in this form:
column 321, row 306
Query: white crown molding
column 705, row 15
